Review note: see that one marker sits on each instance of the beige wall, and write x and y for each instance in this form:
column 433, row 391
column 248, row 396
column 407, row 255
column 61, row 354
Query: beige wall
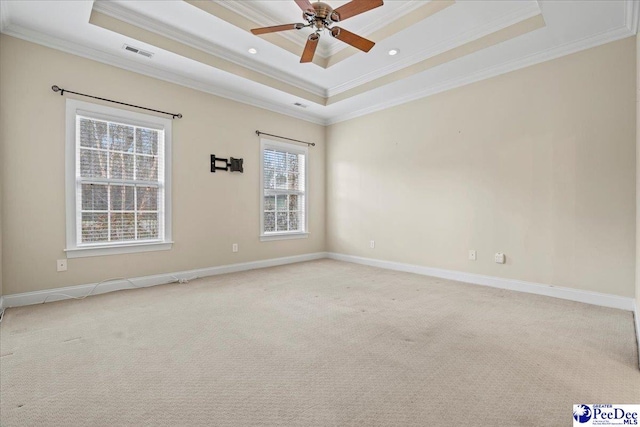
column 638, row 182
column 2, row 107
column 210, row 212
column 538, row 164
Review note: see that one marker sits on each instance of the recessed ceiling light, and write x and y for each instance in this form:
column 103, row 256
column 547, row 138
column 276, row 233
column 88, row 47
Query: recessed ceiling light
column 253, row 51
column 394, row 52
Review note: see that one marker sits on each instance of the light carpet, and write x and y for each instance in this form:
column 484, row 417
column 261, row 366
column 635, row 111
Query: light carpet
column 322, row 343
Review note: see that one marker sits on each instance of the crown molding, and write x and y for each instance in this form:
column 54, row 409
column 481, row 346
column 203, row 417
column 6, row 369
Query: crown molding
column 380, row 23
column 263, row 18
column 116, row 11
column 4, row 15
column 530, row 10
column 632, row 11
column 533, row 59
column 167, row 76
column 632, row 15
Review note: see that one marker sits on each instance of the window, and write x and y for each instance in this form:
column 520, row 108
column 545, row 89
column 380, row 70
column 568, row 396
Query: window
column 284, row 190
column 117, row 181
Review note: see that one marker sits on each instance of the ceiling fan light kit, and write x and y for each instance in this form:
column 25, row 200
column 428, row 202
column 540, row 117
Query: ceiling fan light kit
column 321, row 16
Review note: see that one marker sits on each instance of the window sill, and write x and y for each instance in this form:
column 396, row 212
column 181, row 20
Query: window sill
column 283, row 236
column 129, row 248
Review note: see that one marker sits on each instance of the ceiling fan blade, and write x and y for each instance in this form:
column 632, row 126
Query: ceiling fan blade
column 353, row 8
column 305, row 5
column 310, row 48
column 353, row 39
column 276, row 28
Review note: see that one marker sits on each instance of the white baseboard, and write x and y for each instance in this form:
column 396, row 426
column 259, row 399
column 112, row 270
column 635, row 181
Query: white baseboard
column 38, row 297
column 636, row 316
column 588, row 297
column 595, row 298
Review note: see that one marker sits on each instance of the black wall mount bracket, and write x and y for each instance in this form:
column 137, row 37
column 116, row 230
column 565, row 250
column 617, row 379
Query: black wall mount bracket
column 231, row 164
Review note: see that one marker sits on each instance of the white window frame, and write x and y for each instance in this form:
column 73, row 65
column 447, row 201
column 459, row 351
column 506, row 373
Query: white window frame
column 74, row 248
column 291, row 148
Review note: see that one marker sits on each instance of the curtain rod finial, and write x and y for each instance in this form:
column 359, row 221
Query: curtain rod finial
column 55, row 88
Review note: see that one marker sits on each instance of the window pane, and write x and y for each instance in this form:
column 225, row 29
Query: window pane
column 269, row 159
column 146, row 141
column 292, row 162
column 269, row 203
column 123, row 226
column 93, row 164
column 281, row 221
column 280, row 160
column 293, row 221
column 281, row 181
column 147, row 198
column 94, row 197
column 269, row 179
column 122, row 197
column 293, row 202
column 147, row 226
column 93, row 133
column 284, row 172
column 95, row 227
column 269, row 221
column 293, row 181
column 120, row 137
column 108, row 210
column 281, row 203
column 147, row 168
column 121, row 165
column 301, row 167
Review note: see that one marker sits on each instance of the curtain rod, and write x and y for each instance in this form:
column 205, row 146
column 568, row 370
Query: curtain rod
column 56, row 88
column 313, row 144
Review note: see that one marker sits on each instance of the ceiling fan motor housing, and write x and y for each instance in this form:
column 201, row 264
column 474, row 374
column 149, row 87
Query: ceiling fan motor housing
column 322, row 16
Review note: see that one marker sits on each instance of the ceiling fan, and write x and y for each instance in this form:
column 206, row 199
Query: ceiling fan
column 321, row 16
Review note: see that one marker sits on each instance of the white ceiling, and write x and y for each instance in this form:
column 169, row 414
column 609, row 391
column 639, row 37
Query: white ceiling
column 266, row 13
column 357, row 85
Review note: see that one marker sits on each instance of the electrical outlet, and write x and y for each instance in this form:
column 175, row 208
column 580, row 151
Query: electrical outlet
column 372, row 244
column 61, row 265
column 472, row 255
column 500, row 258
column 234, row 247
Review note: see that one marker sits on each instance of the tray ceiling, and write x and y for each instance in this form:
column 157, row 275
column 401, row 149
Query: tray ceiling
column 205, row 45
